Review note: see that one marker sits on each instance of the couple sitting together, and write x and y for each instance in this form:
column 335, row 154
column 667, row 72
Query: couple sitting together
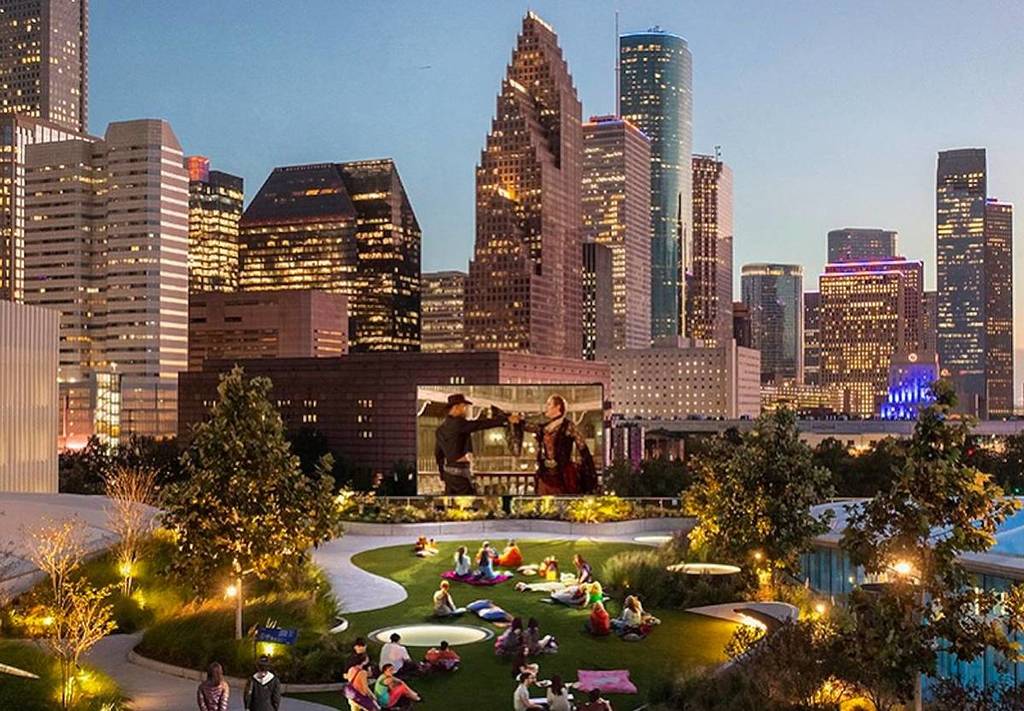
column 485, row 559
column 632, row 625
column 517, row 640
column 388, row 691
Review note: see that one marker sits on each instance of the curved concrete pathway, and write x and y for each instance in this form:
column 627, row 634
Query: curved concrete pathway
column 153, row 691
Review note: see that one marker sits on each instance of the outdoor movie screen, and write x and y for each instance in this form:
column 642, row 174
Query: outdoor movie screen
column 509, row 439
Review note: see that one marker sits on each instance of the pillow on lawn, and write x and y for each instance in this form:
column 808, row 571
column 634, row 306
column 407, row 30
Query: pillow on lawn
column 494, row 614
column 613, row 681
column 478, row 605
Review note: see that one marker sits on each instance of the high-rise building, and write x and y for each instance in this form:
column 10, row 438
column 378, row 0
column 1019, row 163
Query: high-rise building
column 860, row 244
column 929, row 322
column 214, row 209
column 444, row 311
column 709, row 302
column 998, row 308
column 617, row 214
column 345, row 228
column 524, row 290
column 598, row 299
column 973, row 243
column 869, row 313
column 44, row 67
column 107, row 245
column 742, row 328
column 812, row 336
column 656, row 94
column 774, row 293
column 266, row 324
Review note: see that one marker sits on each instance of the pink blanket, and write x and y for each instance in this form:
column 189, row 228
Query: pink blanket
column 613, row 681
column 473, row 580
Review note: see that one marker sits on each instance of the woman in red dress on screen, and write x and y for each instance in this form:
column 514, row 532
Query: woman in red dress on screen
column 558, row 471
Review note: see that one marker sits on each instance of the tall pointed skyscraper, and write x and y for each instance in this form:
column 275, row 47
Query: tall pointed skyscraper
column 524, row 290
column 656, row 84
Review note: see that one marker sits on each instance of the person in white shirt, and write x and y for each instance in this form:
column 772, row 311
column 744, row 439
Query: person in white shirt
column 521, row 697
column 396, row 655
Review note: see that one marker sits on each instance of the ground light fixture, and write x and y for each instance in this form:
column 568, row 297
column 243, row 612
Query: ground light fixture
column 704, row 568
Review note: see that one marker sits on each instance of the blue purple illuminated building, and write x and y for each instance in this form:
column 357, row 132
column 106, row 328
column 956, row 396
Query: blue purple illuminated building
column 910, row 385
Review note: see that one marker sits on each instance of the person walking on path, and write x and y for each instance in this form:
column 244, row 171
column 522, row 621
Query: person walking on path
column 213, row 694
column 262, row 689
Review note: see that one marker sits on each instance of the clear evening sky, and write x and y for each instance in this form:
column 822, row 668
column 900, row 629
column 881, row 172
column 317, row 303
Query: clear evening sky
column 829, row 113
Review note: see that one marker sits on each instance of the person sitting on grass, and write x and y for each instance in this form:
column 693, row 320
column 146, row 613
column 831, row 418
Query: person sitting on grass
column 442, row 658
column 558, row 695
column 595, row 702
column 510, row 557
column 521, row 697
column 599, row 623
column 444, row 606
column 584, row 573
column 548, row 569
column 425, row 547
column 392, row 692
column 633, row 623
column 397, row 656
column 538, row 644
column 485, row 562
column 263, row 689
column 509, row 641
column 357, row 683
column 463, row 565
column 522, row 664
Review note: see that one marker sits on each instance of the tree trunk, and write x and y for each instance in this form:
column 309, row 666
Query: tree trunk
column 238, row 608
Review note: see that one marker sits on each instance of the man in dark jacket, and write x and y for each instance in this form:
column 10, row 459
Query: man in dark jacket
column 453, row 445
column 262, row 689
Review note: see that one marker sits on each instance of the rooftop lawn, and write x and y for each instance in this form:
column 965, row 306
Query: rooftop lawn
column 683, row 641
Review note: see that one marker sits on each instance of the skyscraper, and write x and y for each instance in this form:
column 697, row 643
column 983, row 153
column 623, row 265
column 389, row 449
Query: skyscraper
column 524, row 291
column 444, row 311
column 860, row 244
column 774, row 293
column 973, row 244
column 43, row 97
column 929, row 321
column 598, row 299
column 214, row 209
column 346, row 228
column 709, row 303
column 121, row 284
column 869, row 313
column 44, row 68
column 617, row 214
column 656, row 94
column 812, row 337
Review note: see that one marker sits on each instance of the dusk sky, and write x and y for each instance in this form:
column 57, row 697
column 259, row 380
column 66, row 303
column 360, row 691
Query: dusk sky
column 829, row 113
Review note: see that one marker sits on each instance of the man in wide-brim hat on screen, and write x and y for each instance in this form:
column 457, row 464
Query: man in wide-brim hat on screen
column 453, row 444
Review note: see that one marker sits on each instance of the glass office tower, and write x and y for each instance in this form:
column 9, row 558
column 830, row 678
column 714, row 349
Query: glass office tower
column 774, row 293
column 656, row 94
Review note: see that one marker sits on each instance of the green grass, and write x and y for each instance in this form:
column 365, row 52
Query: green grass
column 683, row 641
column 41, row 694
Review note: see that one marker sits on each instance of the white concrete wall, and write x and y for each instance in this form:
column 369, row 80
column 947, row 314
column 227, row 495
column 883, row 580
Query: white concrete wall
column 28, row 398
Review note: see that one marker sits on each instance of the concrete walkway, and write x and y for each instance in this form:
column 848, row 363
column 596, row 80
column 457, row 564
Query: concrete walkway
column 153, row 691
column 360, row 591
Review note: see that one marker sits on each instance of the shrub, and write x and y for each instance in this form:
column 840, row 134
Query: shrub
column 661, row 477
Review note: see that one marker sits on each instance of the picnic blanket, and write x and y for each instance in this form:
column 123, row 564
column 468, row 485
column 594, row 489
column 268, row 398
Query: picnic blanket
column 612, row 681
column 473, row 580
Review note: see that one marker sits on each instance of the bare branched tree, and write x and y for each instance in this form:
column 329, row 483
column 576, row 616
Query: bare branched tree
column 78, row 614
column 131, row 490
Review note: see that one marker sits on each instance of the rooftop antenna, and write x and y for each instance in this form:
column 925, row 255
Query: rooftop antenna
column 718, row 154
column 618, row 107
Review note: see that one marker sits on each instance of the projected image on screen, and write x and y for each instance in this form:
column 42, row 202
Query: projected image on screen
column 545, row 440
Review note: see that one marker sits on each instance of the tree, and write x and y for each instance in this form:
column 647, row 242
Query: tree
column 913, row 534
column 131, row 491
column 662, row 477
column 78, row 614
column 246, row 508
column 753, row 500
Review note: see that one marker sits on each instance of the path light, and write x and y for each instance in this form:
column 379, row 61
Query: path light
column 124, row 569
column 820, row 608
column 758, row 555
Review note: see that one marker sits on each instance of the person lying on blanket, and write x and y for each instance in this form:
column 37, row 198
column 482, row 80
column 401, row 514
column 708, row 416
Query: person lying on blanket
column 579, row 595
column 511, row 557
column 444, row 605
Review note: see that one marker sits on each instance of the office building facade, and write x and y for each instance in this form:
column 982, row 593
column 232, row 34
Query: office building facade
column 524, row 291
column 869, row 314
column 774, row 293
column 345, row 228
column 680, row 377
column 709, row 302
column 617, row 213
column 656, row 95
column 108, row 249
column 444, row 312
column 998, row 308
column 598, row 299
column 860, row 244
column 214, row 209
column 812, row 337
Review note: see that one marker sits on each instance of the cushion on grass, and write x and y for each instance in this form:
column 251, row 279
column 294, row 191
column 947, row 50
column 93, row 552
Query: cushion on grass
column 612, row 681
column 487, row 610
column 478, row 605
column 472, row 580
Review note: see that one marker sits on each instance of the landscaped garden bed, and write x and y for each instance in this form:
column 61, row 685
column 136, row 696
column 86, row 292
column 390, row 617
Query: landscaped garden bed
column 99, row 692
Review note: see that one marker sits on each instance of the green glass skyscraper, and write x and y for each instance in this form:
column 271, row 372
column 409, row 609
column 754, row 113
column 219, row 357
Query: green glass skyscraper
column 656, row 94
